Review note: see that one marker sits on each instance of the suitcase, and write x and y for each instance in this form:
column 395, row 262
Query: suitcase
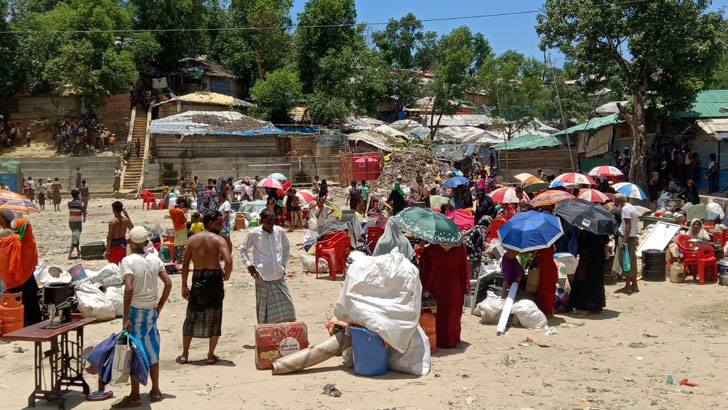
column 277, row 340
column 93, row 250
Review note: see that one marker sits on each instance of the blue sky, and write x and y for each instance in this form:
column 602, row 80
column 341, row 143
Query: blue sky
column 503, row 33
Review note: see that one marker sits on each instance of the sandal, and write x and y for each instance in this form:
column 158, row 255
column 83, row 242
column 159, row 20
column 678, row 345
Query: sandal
column 214, row 360
column 155, row 399
column 100, row 395
column 126, row 403
column 179, row 360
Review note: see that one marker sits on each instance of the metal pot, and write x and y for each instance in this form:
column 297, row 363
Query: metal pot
column 723, row 280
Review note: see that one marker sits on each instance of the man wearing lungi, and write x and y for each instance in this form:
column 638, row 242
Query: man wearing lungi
column 140, row 271
column 116, row 239
column 270, row 256
column 76, row 209
column 204, row 300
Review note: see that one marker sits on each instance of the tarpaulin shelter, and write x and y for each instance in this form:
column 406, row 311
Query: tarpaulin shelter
column 10, row 174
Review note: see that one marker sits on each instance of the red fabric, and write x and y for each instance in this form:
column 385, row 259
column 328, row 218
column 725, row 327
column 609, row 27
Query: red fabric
column 548, row 277
column 493, row 228
column 116, row 254
column 447, row 276
column 11, row 262
column 28, row 249
column 463, row 219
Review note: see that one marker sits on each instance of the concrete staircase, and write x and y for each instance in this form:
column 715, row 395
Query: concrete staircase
column 135, row 167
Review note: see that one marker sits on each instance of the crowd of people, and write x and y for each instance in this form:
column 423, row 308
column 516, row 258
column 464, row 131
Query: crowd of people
column 13, row 134
column 83, row 137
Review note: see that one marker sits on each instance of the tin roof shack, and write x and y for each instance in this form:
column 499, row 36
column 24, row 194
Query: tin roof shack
column 201, row 101
column 530, row 152
column 597, row 139
column 196, row 74
column 201, row 134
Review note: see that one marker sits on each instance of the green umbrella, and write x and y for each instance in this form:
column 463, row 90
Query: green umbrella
column 429, row 226
column 278, row 176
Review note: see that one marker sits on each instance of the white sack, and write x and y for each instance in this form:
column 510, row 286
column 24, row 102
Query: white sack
column 309, row 237
column 310, row 266
column 528, row 314
column 92, row 302
column 383, row 294
column 116, row 296
column 109, row 275
column 416, row 360
column 490, row 310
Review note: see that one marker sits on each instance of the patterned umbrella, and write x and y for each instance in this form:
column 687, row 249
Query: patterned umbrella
column 278, row 176
column 530, row 231
column 535, row 185
column 429, row 226
column 305, row 195
column 550, row 197
column 530, row 180
column 506, row 196
column 605, row 171
column 524, row 176
column 270, row 183
column 16, row 203
column 575, row 178
column 630, row 189
column 592, row 195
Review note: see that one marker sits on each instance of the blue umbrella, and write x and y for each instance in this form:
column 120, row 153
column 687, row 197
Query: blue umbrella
column 455, row 181
column 556, row 184
column 630, row 190
column 530, row 231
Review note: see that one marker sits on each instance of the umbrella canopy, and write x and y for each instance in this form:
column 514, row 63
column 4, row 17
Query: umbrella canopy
column 429, row 226
column 455, row 181
column 506, row 196
column 575, row 178
column 587, row 215
column 336, row 208
column 524, row 176
column 530, row 231
column 16, row 203
column 605, row 171
column 305, row 195
column 535, row 185
column 270, row 183
column 642, row 210
column 592, row 195
column 278, row 176
column 550, row 197
column 630, row 189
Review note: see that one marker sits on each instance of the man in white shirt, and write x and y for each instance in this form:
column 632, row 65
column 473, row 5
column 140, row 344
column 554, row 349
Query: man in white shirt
column 270, row 256
column 225, row 210
column 140, row 271
column 627, row 235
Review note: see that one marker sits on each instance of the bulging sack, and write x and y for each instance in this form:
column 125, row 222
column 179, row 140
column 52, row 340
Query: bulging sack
column 416, row 360
column 528, row 314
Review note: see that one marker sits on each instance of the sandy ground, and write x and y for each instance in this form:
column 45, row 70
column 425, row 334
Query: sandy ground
column 587, row 364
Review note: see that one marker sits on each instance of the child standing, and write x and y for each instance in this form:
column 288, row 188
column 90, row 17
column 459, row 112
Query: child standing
column 512, row 271
column 197, row 225
column 140, row 271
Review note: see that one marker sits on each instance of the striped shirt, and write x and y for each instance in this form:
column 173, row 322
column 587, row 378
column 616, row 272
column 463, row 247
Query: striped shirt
column 75, row 211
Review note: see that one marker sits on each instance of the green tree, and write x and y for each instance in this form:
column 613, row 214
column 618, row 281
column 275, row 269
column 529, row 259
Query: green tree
column 334, row 21
column 666, row 50
column 399, row 41
column 10, row 71
column 574, row 103
column 323, row 109
column 404, row 87
column 276, row 95
column 426, row 53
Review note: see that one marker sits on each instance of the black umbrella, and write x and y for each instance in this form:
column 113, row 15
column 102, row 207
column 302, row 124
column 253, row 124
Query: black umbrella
column 587, row 215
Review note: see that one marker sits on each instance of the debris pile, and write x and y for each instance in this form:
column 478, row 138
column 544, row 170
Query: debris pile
column 409, row 163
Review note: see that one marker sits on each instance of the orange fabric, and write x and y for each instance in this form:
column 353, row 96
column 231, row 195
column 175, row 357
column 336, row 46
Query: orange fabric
column 11, row 262
column 29, row 249
column 179, row 220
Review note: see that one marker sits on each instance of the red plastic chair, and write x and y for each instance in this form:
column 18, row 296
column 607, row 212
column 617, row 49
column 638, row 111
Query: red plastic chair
column 148, row 199
column 690, row 255
column 723, row 236
column 373, row 235
column 331, row 235
column 707, row 261
column 335, row 252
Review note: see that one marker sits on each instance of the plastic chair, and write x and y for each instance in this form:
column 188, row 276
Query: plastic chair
column 690, row 255
column 373, row 235
column 148, row 199
column 706, row 260
column 331, row 235
column 722, row 236
column 334, row 251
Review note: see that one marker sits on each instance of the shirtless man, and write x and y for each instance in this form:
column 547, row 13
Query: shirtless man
column 116, row 239
column 204, row 300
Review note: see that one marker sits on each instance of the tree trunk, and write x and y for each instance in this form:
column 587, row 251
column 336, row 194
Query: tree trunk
column 261, row 72
column 640, row 145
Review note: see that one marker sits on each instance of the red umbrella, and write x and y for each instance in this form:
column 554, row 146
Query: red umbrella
column 592, row 195
column 305, row 196
column 606, row 171
column 270, row 183
column 575, row 178
column 506, row 196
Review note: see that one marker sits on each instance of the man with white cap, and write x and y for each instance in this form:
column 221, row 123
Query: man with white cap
column 140, row 271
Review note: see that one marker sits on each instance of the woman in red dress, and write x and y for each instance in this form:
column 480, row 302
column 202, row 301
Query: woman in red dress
column 548, row 277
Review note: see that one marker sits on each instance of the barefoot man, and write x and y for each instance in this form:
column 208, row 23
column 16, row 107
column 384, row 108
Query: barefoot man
column 116, row 239
column 204, row 301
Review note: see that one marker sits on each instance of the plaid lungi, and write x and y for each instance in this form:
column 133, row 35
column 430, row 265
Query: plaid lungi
column 273, row 301
column 204, row 308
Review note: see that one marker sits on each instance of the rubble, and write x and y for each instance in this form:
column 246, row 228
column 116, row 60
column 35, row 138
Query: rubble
column 409, row 162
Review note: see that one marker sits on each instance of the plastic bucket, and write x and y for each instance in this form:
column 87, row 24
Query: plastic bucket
column 371, row 356
column 77, row 272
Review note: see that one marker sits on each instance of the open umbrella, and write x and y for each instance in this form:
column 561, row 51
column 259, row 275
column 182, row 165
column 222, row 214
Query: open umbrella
column 270, row 183
column 535, row 186
column 530, row 231
column 575, row 178
column 550, row 197
column 305, row 195
column 506, row 196
column 278, row 176
column 524, row 176
column 605, row 171
column 592, row 195
column 16, row 203
column 587, row 215
column 630, row 190
column 429, row 226
column 336, row 208
column 455, row 181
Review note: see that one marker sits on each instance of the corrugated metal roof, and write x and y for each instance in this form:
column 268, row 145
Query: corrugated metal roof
column 528, row 141
column 593, row 124
column 472, row 120
column 458, row 134
column 369, row 138
column 207, row 97
column 212, row 123
column 708, row 103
